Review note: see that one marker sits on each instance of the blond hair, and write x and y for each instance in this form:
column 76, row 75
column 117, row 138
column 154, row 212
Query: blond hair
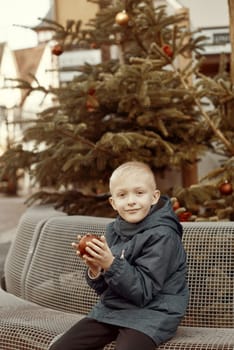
column 129, row 167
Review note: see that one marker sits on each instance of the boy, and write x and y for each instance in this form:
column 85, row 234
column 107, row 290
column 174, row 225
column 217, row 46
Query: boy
column 138, row 269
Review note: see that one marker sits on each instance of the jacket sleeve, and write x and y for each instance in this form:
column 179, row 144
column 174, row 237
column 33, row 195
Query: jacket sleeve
column 98, row 284
column 142, row 281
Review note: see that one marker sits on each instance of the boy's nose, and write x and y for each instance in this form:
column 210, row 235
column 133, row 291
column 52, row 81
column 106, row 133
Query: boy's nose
column 131, row 200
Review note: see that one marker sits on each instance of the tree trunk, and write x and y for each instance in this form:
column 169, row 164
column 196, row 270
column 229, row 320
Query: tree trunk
column 189, row 174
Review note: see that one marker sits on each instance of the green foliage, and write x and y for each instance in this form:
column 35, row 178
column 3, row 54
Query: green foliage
column 207, row 199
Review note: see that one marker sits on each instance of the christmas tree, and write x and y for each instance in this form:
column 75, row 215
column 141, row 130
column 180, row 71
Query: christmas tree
column 150, row 103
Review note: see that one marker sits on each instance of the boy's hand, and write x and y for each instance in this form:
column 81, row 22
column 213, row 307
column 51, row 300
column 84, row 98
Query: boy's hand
column 94, row 268
column 99, row 255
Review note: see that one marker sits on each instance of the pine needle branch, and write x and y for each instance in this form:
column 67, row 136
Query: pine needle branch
column 216, row 131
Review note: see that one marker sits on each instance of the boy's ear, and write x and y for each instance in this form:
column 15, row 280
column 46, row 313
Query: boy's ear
column 112, row 203
column 156, row 196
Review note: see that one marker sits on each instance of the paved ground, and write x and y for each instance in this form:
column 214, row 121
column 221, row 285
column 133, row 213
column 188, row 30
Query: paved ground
column 11, row 208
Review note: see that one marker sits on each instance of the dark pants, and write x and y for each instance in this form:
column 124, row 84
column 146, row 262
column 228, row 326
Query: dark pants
column 89, row 334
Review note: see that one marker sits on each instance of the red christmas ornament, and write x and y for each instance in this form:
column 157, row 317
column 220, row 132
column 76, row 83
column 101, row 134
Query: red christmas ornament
column 185, row 216
column 226, row 188
column 90, row 108
column 167, row 50
column 122, row 18
column 83, row 243
column 57, row 50
column 91, row 91
column 93, row 45
column 176, row 205
column 92, row 102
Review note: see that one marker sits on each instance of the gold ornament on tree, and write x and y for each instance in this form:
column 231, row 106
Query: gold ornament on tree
column 122, row 18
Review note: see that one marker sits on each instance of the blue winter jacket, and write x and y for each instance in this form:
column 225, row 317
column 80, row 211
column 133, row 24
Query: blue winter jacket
column 145, row 287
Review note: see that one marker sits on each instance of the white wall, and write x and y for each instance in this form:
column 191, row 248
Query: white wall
column 9, row 97
column 207, row 13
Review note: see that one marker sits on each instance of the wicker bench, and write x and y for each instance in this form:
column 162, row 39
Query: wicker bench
column 46, row 291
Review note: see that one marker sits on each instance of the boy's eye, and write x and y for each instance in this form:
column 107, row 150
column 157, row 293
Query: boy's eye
column 140, row 192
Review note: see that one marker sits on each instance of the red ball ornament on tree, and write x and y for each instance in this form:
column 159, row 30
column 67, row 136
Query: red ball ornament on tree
column 89, row 106
column 167, row 50
column 57, row 50
column 83, row 243
column 92, row 102
column 185, row 216
column 226, row 188
column 93, row 45
column 122, row 18
column 176, row 205
column 91, row 91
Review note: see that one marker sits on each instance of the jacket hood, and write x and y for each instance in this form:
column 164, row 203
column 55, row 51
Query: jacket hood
column 161, row 214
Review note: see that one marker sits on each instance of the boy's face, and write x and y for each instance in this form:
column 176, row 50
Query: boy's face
column 133, row 195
